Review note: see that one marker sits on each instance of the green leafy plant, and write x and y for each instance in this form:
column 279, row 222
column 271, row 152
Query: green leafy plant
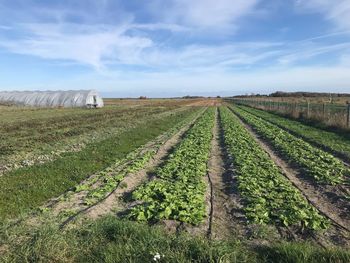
column 329, row 140
column 316, row 163
column 269, row 197
column 178, row 192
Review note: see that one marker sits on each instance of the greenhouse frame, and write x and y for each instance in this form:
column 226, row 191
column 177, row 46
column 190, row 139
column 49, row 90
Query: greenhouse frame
column 51, row 99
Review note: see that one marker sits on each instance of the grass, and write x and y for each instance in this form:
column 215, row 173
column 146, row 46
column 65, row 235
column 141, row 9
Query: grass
column 27, row 188
column 29, row 133
column 112, row 240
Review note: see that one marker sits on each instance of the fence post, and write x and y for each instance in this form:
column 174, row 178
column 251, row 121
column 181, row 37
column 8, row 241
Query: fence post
column 348, row 116
column 324, row 110
column 308, row 109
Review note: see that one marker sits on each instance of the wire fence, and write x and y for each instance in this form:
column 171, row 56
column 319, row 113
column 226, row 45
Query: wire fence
column 334, row 115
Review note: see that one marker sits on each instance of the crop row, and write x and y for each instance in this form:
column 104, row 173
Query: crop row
column 178, row 192
column 269, row 197
column 320, row 165
column 109, row 179
column 330, row 140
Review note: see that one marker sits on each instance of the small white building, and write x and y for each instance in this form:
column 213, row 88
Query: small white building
column 48, row 99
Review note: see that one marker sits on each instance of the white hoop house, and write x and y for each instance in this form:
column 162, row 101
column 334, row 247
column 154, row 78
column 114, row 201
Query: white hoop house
column 46, row 99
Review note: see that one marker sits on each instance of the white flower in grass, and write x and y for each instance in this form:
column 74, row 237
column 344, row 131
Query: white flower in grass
column 157, row 256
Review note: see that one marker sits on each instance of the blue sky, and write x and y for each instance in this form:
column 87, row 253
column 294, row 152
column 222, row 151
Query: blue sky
column 162, row 48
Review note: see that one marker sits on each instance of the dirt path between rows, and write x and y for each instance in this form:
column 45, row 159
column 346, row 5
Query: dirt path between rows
column 225, row 203
column 316, row 196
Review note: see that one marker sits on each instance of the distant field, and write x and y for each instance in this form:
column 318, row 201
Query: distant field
column 195, row 180
column 153, row 102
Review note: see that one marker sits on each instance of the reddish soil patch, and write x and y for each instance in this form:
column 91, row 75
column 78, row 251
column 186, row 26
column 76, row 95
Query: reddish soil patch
column 206, row 102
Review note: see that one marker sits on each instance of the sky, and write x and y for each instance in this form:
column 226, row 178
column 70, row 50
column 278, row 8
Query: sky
column 165, row 48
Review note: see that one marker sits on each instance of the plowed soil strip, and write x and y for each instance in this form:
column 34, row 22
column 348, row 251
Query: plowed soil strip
column 114, row 202
column 221, row 223
column 316, row 196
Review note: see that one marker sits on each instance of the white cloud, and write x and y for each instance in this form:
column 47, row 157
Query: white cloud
column 337, row 11
column 83, row 44
column 102, row 46
column 205, row 57
column 204, row 13
column 310, row 50
column 127, row 42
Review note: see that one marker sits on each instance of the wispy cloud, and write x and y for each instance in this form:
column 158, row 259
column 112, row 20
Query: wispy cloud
column 337, row 12
column 310, row 50
column 101, row 46
column 80, row 43
column 62, row 32
column 206, row 13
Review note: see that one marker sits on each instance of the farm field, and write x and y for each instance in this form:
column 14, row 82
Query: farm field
column 173, row 180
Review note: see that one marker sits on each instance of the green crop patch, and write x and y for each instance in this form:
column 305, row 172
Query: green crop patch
column 332, row 141
column 269, row 197
column 316, row 163
column 178, row 190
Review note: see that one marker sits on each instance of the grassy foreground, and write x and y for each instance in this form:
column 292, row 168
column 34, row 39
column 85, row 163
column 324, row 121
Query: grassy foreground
column 27, row 188
column 112, row 240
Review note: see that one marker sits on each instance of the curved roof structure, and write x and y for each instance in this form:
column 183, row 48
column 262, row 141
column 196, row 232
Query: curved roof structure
column 69, row 98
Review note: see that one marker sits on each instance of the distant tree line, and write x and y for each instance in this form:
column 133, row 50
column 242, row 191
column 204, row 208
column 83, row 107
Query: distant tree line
column 192, row 97
column 299, row 94
column 307, row 94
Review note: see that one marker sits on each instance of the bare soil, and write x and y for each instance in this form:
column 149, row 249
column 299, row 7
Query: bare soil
column 222, row 223
column 206, row 102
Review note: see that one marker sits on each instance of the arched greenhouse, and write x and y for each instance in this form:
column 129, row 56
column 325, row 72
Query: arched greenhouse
column 46, row 99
